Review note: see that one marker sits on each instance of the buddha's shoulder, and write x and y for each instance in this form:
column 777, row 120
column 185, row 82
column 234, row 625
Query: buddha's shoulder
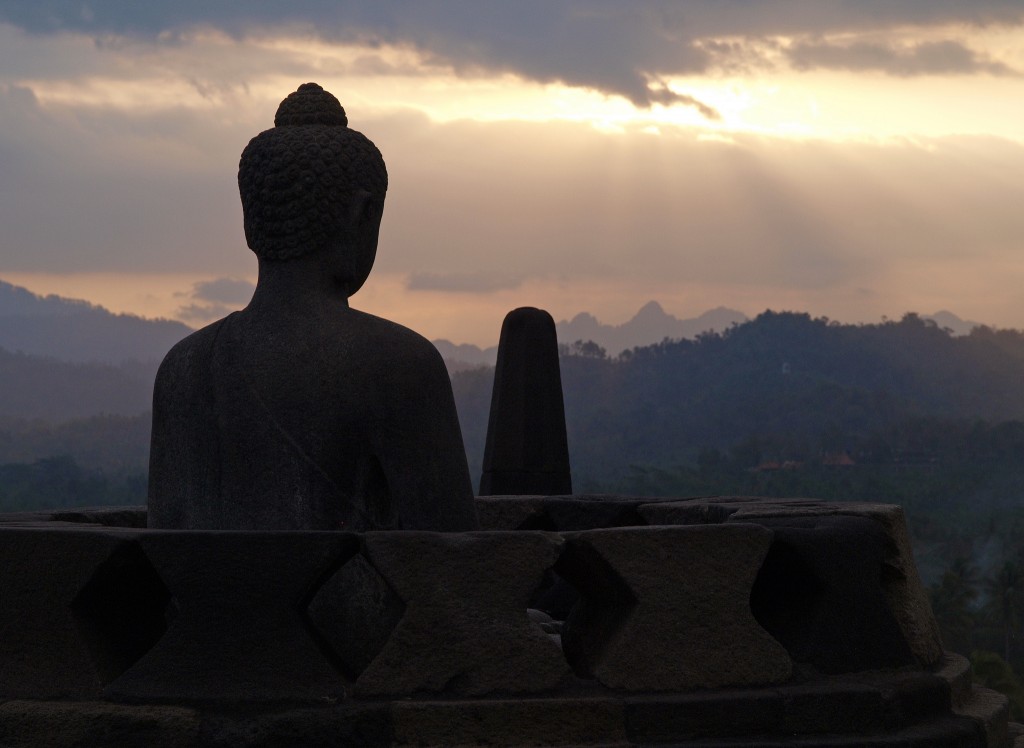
column 390, row 341
column 191, row 350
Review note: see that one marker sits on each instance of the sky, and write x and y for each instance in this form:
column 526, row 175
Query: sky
column 856, row 159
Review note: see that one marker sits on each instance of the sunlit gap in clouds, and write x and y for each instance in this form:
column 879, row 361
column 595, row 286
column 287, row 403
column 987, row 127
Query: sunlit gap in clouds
column 206, row 69
column 209, row 71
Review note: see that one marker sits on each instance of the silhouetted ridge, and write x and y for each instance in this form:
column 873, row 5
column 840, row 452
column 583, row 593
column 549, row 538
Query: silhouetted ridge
column 784, row 377
column 75, row 330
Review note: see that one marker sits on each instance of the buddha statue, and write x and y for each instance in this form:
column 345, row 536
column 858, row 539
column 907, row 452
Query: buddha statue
column 299, row 412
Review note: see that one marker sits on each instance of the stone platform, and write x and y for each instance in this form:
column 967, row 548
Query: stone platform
column 723, row 621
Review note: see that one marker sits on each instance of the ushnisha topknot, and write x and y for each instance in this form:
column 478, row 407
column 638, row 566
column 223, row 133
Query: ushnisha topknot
column 296, row 179
column 310, row 105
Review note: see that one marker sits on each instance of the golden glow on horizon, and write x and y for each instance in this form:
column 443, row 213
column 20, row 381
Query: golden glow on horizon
column 476, row 318
column 778, row 101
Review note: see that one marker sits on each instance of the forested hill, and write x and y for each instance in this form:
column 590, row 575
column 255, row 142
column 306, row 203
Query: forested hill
column 53, row 390
column 797, row 385
column 73, row 330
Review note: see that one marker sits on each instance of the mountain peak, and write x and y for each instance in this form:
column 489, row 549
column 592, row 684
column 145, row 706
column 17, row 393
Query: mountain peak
column 651, row 324
column 652, row 310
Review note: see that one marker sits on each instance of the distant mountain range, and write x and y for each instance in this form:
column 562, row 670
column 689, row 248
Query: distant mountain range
column 650, row 325
column 73, row 330
column 105, row 362
column 787, row 379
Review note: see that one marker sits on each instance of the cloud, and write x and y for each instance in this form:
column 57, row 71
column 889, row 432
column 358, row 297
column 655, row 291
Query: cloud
column 927, row 58
column 210, row 300
column 615, row 47
column 485, row 206
column 224, row 290
column 202, row 314
column 462, row 282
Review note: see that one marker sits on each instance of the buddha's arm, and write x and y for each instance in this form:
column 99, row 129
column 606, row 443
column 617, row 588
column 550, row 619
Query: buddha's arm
column 183, row 470
column 423, row 455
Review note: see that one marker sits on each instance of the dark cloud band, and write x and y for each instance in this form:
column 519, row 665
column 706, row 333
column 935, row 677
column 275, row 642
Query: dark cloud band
column 929, row 58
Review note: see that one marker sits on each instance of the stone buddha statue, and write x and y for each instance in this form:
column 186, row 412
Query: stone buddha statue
column 299, row 412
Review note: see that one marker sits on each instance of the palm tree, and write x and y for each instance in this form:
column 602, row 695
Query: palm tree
column 953, row 604
column 1005, row 591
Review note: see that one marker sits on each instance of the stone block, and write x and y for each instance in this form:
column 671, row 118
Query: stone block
column 44, row 652
column 561, row 513
column 990, row 711
column 512, row 513
column 345, row 725
column 105, row 516
column 500, row 722
column 465, row 630
column 668, row 608
column 820, row 594
column 239, row 631
column 830, row 707
column 355, row 611
column 898, row 580
column 41, row 724
column 728, row 713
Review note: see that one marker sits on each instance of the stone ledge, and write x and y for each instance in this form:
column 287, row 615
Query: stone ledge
column 833, row 712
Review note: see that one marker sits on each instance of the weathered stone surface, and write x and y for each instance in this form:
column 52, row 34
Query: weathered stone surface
column 714, row 714
column 711, row 510
column 956, row 670
column 689, row 623
column 43, row 653
column 820, row 593
column 465, row 630
column 298, row 412
column 512, row 513
column 355, row 611
column 990, row 710
column 122, row 611
column 562, row 513
column 105, row 516
column 500, row 722
column 347, row 725
column 29, row 724
column 527, row 451
column 834, row 707
column 239, row 632
column 900, row 584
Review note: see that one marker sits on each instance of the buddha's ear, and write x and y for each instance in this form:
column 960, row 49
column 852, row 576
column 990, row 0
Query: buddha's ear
column 362, row 207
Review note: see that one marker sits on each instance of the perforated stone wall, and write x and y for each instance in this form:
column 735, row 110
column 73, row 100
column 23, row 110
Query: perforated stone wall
column 785, row 601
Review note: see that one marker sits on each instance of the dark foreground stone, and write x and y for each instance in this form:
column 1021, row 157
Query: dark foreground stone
column 873, row 710
column 748, row 622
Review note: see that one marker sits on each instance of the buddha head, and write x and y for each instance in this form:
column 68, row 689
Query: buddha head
column 312, row 185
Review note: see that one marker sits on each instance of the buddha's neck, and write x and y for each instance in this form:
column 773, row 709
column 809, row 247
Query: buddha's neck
column 301, row 284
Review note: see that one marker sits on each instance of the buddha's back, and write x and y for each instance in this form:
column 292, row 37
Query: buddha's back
column 300, row 413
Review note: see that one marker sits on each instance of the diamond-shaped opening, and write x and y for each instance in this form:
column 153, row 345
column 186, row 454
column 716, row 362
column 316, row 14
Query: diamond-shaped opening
column 555, row 597
column 604, row 603
column 122, row 611
column 785, row 594
column 351, row 615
